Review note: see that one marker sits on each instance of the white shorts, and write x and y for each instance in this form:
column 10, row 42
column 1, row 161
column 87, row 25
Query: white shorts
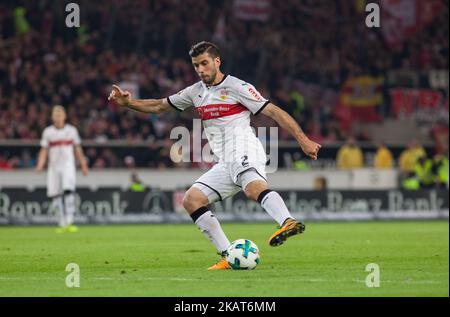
column 60, row 180
column 225, row 180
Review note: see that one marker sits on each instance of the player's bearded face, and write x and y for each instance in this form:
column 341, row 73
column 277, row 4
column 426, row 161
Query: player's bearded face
column 209, row 79
column 206, row 68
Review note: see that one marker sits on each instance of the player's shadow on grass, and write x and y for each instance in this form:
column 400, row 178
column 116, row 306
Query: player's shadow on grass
column 194, row 251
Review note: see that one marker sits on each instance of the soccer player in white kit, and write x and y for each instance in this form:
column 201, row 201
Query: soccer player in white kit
column 59, row 143
column 224, row 104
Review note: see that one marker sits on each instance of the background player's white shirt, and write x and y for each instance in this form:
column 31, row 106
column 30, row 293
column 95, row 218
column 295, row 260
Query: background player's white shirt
column 60, row 144
column 225, row 111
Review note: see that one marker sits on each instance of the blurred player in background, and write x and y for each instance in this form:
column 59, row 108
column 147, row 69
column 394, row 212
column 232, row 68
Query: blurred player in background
column 58, row 143
column 224, row 104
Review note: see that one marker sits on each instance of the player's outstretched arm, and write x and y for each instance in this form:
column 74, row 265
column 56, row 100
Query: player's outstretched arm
column 124, row 99
column 310, row 148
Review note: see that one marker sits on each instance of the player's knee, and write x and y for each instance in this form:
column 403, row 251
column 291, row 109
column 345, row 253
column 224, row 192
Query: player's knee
column 254, row 189
column 194, row 199
column 187, row 201
column 252, row 193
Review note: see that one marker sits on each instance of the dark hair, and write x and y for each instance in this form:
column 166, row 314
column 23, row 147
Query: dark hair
column 204, row 47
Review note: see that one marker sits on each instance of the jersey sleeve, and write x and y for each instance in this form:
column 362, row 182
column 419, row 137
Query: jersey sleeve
column 249, row 97
column 182, row 99
column 44, row 139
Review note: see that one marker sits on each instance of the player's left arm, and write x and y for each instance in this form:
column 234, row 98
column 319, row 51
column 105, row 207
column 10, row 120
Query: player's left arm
column 80, row 157
column 288, row 123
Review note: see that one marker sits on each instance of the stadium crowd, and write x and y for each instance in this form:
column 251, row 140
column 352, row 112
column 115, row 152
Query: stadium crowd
column 143, row 46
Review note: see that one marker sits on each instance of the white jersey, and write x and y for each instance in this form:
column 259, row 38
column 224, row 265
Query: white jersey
column 60, row 144
column 225, row 112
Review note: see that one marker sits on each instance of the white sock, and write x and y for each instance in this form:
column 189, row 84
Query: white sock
column 58, row 204
column 69, row 207
column 210, row 227
column 275, row 207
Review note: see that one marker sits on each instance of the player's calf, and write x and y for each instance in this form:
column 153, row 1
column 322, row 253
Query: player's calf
column 274, row 204
column 206, row 222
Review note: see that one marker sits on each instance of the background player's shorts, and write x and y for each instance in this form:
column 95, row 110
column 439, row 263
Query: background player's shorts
column 225, row 180
column 60, row 180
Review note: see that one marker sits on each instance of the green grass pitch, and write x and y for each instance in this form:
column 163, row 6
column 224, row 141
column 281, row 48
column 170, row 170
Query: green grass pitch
column 171, row 260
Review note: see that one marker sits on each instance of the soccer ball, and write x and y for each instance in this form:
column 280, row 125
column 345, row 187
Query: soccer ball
column 242, row 254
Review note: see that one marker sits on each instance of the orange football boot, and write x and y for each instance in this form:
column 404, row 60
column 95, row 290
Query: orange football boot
column 221, row 265
column 289, row 228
